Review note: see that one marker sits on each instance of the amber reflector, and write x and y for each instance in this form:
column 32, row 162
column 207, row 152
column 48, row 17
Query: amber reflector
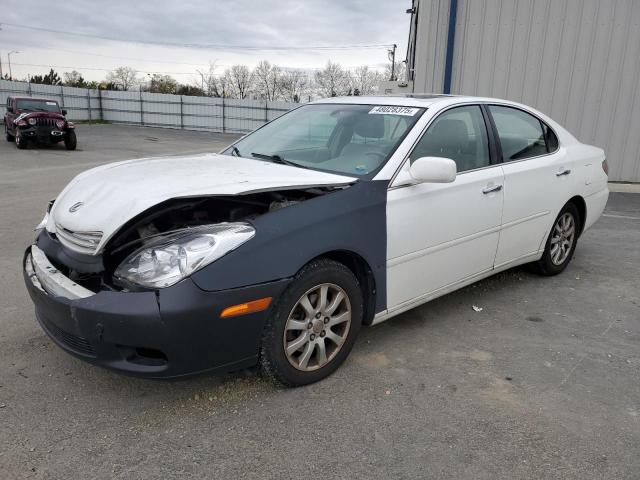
column 244, row 308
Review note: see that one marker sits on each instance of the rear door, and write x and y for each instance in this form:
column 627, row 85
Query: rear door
column 537, row 178
column 439, row 234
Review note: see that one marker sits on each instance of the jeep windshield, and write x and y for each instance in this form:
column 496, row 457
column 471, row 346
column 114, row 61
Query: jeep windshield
column 35, row 105
column 339, row 138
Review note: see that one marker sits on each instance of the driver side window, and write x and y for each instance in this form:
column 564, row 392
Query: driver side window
column 459, row 134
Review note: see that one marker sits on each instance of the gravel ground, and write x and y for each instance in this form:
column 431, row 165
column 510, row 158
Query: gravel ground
column 542, row 383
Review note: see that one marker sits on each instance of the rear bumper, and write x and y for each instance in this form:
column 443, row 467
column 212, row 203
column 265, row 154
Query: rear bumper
column 171, row 332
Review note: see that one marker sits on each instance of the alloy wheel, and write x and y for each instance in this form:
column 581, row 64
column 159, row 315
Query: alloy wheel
column 563, row 238
column 317, row 327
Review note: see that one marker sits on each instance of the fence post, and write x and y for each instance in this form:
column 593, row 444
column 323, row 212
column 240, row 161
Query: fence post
column 100, row 104
column 62, row 95
column 181, row 115
column 89, row 103
column 266, row 111
column 141, row 108
column 29, row 88
column 223, row 113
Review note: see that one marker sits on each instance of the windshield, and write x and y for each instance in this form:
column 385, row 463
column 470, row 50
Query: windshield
column 347, row 139
column 35, row 105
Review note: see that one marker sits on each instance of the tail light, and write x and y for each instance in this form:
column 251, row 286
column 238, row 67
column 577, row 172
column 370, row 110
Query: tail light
column 605, row 167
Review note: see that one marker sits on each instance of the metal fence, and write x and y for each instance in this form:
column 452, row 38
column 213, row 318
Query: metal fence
column 153, row 109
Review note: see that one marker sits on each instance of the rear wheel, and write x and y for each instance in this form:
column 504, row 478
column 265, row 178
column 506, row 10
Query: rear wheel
column 313, row 326
column 21, row 142
column 70, row 140
column 561, row 243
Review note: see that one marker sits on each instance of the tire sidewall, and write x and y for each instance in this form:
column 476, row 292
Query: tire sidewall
column 70, row 141
column 273, row 355
column 546, row 261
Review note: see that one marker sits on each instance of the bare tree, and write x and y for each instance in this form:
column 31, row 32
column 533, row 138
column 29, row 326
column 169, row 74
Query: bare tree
column 210, row 83
column 123, row 77
column 267, row 80
column 74, row 79
column 162, row 84
column 332, row 80
column 293, row 84
column 239, row 80
column 365, row 81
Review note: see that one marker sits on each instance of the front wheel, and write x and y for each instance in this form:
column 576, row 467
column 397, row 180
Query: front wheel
column 70, row 140
column 21, row 142
column 561, row 243
column 313, row 326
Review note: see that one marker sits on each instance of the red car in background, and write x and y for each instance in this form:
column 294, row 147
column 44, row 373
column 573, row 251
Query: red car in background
column 38, row 120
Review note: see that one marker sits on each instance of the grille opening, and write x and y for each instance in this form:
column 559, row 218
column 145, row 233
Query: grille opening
column 150, row 357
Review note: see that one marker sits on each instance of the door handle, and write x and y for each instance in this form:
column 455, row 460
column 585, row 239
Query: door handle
column 491, row 188
column 566, row 171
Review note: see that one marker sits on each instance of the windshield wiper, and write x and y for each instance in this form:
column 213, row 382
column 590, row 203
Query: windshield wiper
column 235, row 151
column 275, row 158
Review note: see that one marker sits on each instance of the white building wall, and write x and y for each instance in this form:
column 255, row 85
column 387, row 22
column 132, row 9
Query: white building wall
column 576, row 60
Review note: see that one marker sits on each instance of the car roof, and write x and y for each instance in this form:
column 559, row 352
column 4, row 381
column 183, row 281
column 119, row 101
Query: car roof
column 36, row 98
column 423, row 100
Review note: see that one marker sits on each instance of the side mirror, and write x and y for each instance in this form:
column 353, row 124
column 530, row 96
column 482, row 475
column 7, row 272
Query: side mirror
column 64, row 112
column 433, row 170
column 10, row 109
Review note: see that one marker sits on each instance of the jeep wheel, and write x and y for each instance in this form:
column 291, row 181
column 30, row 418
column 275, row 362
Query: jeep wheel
column 70, row 140
column 21, row 142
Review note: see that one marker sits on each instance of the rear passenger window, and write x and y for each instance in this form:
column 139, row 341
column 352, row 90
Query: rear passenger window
column 459, row 134
column 521, row 134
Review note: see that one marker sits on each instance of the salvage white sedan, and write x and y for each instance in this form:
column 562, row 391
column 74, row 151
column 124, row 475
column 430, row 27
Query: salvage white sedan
column 340, row 213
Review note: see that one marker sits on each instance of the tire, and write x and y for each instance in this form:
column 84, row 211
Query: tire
column 21, row 142
column 291, row 324
column 70, row 140
column 7, row 135
column 564, row 234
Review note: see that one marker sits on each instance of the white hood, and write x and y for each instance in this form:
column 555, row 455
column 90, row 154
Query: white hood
column 111, row 195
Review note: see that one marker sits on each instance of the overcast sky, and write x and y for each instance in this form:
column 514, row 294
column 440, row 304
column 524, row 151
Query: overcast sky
column 273, row 25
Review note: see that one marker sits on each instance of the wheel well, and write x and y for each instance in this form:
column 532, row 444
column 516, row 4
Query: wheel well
column 362, row 271
column 580, row 204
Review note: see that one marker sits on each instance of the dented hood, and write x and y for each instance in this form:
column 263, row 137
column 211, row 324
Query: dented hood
column 105, row 198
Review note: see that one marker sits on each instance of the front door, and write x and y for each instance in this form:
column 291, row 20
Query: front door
column 441, row 234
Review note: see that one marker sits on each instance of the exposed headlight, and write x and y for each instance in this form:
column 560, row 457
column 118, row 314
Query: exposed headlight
column 170, row 258
column 60, row 124
column 32, row 121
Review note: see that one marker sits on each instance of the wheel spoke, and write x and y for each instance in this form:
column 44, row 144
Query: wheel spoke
column 293, row 324
column 343, row 317
column 296, row 344
column 306, row 305
column 554, row 240
column 322, row 352
column 322, row 300
column 306, row 355
column 335, row 303
column 334, row 337
column 554, row 249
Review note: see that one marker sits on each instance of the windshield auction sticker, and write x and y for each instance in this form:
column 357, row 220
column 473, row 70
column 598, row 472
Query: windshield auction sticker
column 392, row 110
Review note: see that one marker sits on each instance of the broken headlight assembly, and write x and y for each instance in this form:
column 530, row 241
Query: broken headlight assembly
column 166, row 259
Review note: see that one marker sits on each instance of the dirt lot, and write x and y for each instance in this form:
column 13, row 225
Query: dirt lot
column 544, row 382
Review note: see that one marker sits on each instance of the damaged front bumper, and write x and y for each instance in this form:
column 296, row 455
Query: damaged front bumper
column 171, row 332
